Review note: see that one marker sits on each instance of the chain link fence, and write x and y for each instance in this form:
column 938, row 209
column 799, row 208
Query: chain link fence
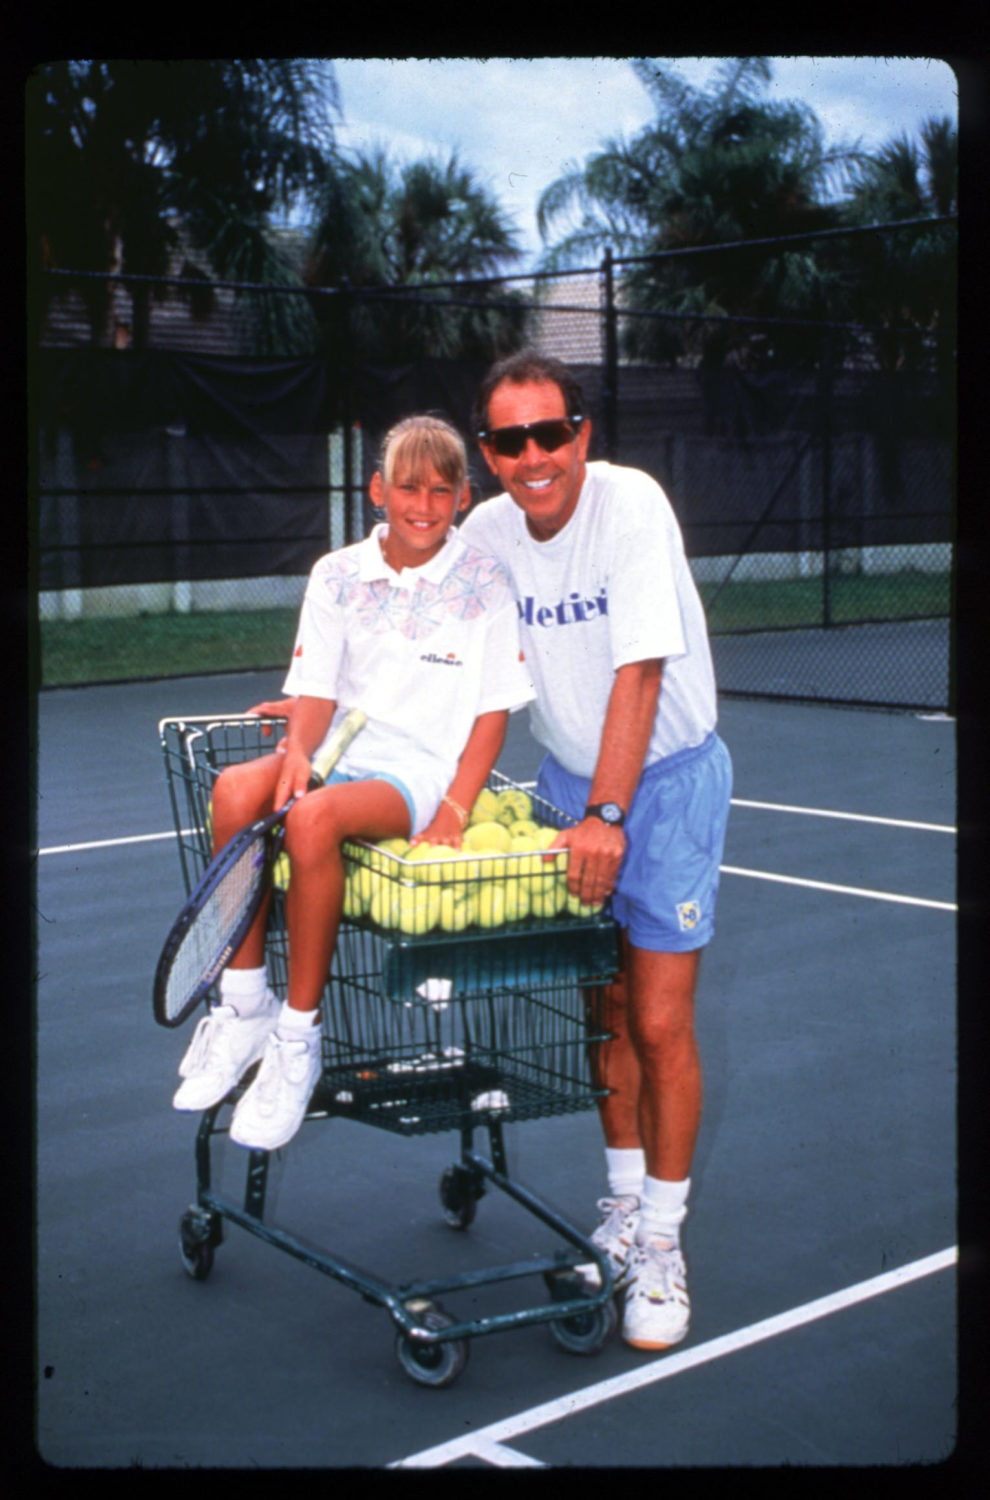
column 184, row 489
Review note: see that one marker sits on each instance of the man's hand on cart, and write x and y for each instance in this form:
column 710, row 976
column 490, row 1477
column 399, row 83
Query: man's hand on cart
column 596, row 851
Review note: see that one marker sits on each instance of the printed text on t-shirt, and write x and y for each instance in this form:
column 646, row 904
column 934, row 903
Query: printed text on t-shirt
column 570, row 611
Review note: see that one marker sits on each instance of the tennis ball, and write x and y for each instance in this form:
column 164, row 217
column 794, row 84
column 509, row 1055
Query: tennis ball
column 548, row 900
column 523, row 866
column 488, row 840
column 355, row 904
column 485, row 807
column 578, row 908
column 381, row 878
column 544, row 839
column 417, row 909
column 524, row 828
column 365, row 883
column 280, row 872
column 397, row 845
column 397, row 848
column 383, row 856
column 512, row 803
column 460, row 869
column 458, row 907
column 517, row 900
column 488, row 837
column 361, row 879
column 525, row 844
column 383, row 904
column 491, row 904
column 428, row 856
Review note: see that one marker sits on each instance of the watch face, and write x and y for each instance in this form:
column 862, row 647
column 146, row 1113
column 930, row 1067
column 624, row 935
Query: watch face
column 609, row 812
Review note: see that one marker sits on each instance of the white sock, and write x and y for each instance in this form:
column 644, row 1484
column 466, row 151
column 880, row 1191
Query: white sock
column 626, row 1168
column 296, row 1024
column 663, row 1209
column 246, row 990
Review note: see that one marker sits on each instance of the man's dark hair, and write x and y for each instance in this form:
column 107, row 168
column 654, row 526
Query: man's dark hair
column 528, row 365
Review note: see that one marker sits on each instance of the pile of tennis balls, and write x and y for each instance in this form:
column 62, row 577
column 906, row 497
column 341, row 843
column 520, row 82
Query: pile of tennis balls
column 500, row 874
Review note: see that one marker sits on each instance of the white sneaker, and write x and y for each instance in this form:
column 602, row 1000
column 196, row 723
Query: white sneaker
column 614, row 1235
column 223, row 1047
column 657, row 1310
column 273, row 1108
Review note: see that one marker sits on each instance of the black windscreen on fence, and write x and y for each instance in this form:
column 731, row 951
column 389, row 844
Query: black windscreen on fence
column 790, row 461
column 813, row 476
column 160, row 466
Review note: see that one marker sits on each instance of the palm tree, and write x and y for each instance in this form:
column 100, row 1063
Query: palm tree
column 122, row 155
column 716, row 166
column 902, row 182
column 908, row 280
column 394, row 232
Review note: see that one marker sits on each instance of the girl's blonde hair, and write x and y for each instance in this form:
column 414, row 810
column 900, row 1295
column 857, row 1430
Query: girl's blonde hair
column 417, row 444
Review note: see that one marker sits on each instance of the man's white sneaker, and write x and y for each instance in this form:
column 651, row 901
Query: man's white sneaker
column 272, row 1109
column 223, row 1047
column 657, row 1310
column 615, row 1235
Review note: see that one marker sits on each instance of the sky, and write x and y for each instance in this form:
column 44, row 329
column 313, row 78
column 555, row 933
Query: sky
column 518, row 122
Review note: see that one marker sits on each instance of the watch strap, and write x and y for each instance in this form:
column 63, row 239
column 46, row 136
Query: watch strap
column 609, row 812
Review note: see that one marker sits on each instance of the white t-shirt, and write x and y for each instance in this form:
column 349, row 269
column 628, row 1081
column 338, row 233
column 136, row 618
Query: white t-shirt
column 423, row 653
column 612, row 587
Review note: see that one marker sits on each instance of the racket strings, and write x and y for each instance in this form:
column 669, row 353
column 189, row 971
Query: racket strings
column 208, row 943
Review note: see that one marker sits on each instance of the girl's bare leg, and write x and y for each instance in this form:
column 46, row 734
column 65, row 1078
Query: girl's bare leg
column 315, row 829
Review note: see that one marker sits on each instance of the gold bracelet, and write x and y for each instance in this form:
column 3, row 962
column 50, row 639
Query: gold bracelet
column 462, row 814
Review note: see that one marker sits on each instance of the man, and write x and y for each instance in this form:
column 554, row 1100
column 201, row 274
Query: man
column 614, row 634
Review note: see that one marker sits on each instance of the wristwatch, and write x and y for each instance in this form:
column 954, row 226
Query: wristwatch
column 609, row 812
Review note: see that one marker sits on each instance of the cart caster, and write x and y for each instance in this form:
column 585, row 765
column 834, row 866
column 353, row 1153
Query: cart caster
column 432, row 1364
column 459, row 1194
column 586, row 1331
column 199, row 1233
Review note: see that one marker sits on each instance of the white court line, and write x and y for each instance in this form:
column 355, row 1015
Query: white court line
column 840, row 890
column 816, row 885
column 490, row 1442
column 135, row 838
column 500, row 1457
column 808, row 812
column 822, row 812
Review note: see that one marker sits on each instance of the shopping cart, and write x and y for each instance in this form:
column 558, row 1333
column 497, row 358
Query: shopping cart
column 464, row 1009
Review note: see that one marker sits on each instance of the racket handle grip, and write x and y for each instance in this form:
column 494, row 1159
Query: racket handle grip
column 327, row 758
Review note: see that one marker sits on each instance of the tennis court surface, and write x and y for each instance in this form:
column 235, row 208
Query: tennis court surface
column 822, row 1244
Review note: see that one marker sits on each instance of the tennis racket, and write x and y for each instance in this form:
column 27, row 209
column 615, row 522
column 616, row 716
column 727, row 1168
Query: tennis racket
column 214, row 921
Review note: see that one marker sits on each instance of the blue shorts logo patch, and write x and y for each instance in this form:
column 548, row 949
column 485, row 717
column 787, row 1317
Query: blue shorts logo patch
column 688, row 915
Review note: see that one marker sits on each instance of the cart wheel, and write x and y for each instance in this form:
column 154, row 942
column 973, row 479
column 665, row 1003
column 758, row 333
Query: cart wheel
column 586, row 1332
column 432, row 1364
column 459, row 1194
column 195, row 1246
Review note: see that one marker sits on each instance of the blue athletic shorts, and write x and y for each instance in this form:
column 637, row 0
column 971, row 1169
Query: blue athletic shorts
column 337, row 777
column 668, row 879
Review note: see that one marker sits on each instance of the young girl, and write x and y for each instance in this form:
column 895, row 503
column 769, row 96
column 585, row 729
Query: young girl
column 420, row 630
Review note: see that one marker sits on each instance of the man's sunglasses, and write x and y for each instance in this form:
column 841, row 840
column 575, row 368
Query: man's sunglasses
column 509, row 442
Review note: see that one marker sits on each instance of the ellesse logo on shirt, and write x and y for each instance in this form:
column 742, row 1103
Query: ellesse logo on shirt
column 450, row 660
